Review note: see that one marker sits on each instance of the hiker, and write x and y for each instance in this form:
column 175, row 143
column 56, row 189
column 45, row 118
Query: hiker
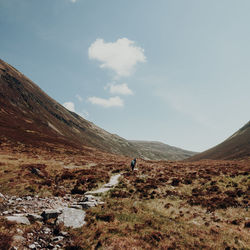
column 133, row 162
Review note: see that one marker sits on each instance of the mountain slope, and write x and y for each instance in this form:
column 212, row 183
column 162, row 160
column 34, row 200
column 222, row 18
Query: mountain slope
column 235, row 147
column 28, row 115
column 158, row 150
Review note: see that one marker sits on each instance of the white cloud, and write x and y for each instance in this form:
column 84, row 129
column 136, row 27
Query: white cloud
column 120, row 56
column 79, row 98
column 73, row 1
column 120, row 89
column 107, row 103
column 70, row 106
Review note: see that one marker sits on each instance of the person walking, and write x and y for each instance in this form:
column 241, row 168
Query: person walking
column 133, row 163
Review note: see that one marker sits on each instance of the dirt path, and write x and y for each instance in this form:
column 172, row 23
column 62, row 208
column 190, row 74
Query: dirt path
column 68, row 210
column 114, row 180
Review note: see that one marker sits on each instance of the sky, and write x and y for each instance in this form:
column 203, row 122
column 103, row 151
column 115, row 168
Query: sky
column 174, row 71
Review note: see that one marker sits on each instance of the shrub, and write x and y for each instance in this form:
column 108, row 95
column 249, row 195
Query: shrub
column 5, row 241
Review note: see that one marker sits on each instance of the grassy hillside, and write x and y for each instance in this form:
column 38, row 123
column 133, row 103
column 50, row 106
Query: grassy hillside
column 161, row 205
column 236, row 146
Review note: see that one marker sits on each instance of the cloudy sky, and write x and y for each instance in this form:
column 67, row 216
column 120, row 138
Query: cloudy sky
column 163, row 70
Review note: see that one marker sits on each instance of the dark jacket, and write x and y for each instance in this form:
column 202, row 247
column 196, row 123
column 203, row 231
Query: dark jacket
column 133, row 162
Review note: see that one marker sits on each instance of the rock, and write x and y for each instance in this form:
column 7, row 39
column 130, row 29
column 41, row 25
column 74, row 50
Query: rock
column 50, row 246
column 28, row 198
column 64, row 233
column 18, row 219
column 19, row 215
column 72, row 217
column 18, row 199
column 19, row 231
column 2, row 196
column 46, row 230
column 76, row 206
column 35, row 217
column 32, row 246
column 58, row 238
column 91, row 198
column 18, row 238
column 50, row 214
column 87, row 204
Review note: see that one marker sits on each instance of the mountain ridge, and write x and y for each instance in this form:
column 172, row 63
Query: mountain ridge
column 29, row 115
column 237, row 146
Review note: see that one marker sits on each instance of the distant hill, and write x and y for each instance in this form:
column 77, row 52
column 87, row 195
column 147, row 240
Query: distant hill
column 236, row 146
column 157, row 150
column 29, row 116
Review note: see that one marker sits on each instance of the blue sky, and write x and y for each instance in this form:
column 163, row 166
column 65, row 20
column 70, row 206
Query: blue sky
column 163, row 70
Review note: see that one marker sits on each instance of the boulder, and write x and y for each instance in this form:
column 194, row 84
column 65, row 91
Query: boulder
column 18, row 219
column 91, row 198
column 35, row 217
column 76, row 206
column 72, row 217
column 51, row 213
column 87, row 204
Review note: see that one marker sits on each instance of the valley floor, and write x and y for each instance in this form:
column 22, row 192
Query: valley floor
column 161, row 205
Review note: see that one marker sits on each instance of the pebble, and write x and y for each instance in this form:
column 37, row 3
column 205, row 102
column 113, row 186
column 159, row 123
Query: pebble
column 19, row 231
column 58, row 238
column 18, row 238
column 28, row 198
column 64, row 233
column 46, row 229
column 32, row 246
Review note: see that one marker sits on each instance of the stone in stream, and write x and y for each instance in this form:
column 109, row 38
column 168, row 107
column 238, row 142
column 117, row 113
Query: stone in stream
column 72, row 217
